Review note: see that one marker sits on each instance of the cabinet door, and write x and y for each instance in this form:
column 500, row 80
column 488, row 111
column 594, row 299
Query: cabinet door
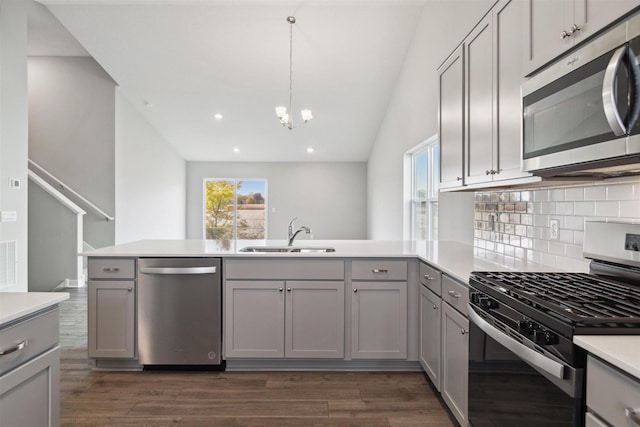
column 545, row 21
column 455, row 364
column 30, row 394
column 254, row 319
column 430, row 330
column 451, row 119
column 479, row 154
column 111, row 319
column 314, row 326
column 509, row 61
column 379, row 320
column 593, row 15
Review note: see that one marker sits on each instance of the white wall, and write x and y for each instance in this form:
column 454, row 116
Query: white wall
column 328, row 197
column 412, row 118
column 72, row 133
column 14, row 130
column 150, row 180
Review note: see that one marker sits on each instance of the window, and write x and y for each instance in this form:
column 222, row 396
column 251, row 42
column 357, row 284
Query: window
column 422, row 187
column 235, row 209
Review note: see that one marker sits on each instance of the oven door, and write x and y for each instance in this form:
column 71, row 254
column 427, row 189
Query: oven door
column 513, row 382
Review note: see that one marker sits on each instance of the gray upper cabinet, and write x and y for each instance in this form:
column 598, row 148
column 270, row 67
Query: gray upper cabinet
column 451, row 119
column 494, row 72
column 553, row 26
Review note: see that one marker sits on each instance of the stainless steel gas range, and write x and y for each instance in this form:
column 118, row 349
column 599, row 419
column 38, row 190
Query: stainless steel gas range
column 524, row 369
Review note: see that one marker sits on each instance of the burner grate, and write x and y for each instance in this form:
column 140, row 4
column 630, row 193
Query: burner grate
column 578, row 297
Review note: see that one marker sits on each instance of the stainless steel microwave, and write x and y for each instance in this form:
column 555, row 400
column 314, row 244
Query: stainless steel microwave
column 580, row 115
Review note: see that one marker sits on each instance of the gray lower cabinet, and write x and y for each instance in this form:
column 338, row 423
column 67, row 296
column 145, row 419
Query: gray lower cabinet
column 284, row 318
column 455, row 368
column 379, row 320
column 30, row 372
column 112, row 308
column 430, row 334
column 605, row 408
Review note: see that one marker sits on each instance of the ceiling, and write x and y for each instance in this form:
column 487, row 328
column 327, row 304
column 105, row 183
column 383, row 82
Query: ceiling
column 181, row 62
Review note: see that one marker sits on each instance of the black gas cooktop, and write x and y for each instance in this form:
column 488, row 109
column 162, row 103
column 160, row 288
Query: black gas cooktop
column 583, row 301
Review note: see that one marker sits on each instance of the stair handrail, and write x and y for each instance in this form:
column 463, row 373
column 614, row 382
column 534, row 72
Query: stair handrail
column 72, row 191
column 55, row 193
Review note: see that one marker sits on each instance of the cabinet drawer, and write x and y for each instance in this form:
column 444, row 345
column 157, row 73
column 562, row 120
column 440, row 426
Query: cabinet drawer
column 431, row 278
column 28, row 339
column 455, row 294
column 379, row 270
column 601, row 380
column 112, row 268
column 284, row 269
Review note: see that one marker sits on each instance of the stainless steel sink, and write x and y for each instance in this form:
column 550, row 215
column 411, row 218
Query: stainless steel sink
column 286, row 249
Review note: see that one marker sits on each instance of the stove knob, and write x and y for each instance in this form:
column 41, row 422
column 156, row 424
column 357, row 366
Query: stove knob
column 545, row 337
column 527, row 327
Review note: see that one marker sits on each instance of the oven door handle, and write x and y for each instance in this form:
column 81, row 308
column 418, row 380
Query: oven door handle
column 530, row 356
column 609, row 101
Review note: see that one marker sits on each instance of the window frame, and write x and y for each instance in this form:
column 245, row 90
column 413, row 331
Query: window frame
column 411, row 198
column 235, row 204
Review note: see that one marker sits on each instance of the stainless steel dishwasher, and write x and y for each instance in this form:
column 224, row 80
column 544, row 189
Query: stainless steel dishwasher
column 180, row 312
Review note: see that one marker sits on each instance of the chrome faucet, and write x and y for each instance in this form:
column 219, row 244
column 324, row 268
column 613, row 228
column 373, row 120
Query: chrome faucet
column 293, row 234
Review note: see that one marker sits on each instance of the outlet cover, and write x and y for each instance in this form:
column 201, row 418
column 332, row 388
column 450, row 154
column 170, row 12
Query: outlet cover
column 553, row 229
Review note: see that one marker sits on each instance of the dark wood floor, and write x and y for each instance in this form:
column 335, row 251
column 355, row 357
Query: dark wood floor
column 102, row 398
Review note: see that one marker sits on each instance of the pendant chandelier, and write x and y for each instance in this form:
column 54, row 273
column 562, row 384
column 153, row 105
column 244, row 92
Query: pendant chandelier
column 286, row 116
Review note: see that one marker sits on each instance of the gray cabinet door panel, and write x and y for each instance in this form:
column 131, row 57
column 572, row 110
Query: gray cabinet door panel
column 112, row 319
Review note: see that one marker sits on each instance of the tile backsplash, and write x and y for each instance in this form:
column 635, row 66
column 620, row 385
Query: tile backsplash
column 514, row 225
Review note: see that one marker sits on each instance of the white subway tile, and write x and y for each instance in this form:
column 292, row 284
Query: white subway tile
column 608, row 209
column 533, row 256
column 564, row 208
column 574, row 222
column 584, row 208
column 620, row 192
column 548, row 259
column 541, row 245
column 574, row 194
column 509, row 250
column 556, row 248
column 573, row 251
column 578, row 237
column 547, row 208
column 564, row 263
column 526, row 242
column 556, row 195
column 540, row 195
column 595, row 193
column 566, row 236
column 525, row 196
column 580, row 266
column 541, row 220
column 630, row 209
column 514, row 240
column 520, row 254
column 521, row 230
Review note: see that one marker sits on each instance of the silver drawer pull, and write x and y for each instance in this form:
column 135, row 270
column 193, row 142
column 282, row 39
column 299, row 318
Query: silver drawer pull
column 426, row 276
column 111, row 269
column 633, row 415
column 435, row 307
column 454, row 294
column 380, row 270
column 20, row 346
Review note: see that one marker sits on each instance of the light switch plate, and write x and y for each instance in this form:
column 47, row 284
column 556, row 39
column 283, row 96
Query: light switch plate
column 9, row 216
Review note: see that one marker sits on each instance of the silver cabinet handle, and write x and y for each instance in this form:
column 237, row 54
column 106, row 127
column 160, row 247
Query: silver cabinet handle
column 632, row 414
column 288, row 289
column 355, row 289
column 111, row 269
column 20, row 346
column 427, row 277
column 435, row 307
column 454, row 294
column 458, row 178
column 609, row 92
column 574, row 28
column 178, row 270
column 464, row 331
column 380, row 270
column 530, row 356
column 564, row 34
column 130, row 289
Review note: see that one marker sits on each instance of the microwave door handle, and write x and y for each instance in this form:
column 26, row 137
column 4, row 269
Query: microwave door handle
column 530, row 356
column 609, row 93
column 634, row 65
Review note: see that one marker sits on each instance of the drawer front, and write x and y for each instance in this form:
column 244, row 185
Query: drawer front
column 379, row 270
column 601, row 380
column 284, row 269
column 431, row 278
column 455, row 294
column 25, row 340
column 112, row 268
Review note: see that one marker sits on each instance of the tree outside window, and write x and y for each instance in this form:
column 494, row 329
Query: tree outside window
column 235, row 209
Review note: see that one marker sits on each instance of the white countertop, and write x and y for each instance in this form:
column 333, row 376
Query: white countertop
column 454, row 258
column 14, row 305
column 622, row 351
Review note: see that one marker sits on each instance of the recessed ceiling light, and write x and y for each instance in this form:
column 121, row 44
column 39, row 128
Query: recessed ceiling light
column 218, row 116
column 236, row 150
column 310, row 150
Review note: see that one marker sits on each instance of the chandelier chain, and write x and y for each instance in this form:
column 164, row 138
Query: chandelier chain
column 291, row 69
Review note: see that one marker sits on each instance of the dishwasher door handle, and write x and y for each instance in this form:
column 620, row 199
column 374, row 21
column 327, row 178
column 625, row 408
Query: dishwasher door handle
column 178, row 270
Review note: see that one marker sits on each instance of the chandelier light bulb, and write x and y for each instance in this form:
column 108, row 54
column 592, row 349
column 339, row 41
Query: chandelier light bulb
column 306, row 115
column 281, row 111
